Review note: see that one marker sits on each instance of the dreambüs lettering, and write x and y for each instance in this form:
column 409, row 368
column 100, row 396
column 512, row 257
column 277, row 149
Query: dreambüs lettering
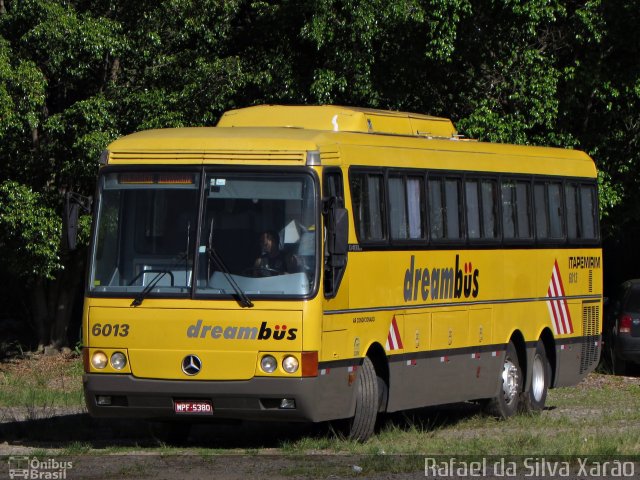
column 232, row 332
column 440, row 283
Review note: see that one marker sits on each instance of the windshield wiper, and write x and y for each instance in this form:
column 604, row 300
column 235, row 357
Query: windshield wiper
column 138, row 299
column 242, row 298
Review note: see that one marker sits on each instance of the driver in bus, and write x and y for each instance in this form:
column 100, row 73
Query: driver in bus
column 271, row 258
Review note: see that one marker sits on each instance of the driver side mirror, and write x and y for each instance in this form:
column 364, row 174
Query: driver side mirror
column 70, row 214
column 336, row 247
column 338, row 231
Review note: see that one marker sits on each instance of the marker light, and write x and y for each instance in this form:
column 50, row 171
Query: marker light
column 118, row 360
column 268, row 364
column 290, row 364
column 99, row 360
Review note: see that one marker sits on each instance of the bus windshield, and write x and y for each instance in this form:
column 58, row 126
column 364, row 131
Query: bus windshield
column 257, row 235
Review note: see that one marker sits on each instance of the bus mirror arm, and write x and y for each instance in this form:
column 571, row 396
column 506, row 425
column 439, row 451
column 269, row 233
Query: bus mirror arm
column 71, row 211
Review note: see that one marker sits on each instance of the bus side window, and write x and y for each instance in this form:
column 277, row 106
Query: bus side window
column 489, row 196
column 542, row 220
column 588, row 212
column 367, row 197
column 581, row 211
column 436, row 209
column 556, row 210
column 406, row 207
column 516, row 218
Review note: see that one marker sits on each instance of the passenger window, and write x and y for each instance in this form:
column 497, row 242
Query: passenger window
column 482, row 208
column 406, row 208
column 444, row 208
column 452, row 208
column 436, row 209
column 489, row 192
column 588, row 212
column 368, row 206
column 556, row 210
column 473, row 209
column 516, row 217
column 549, row 210
column 523, row 209
column 581, row 211
column 571, row 197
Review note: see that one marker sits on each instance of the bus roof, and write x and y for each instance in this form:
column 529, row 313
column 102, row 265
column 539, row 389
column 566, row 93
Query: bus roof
column 283, row 135
column 340, row 119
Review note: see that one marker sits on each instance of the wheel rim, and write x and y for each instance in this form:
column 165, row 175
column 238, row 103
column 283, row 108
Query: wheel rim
column 510, row 381
column 537, row 379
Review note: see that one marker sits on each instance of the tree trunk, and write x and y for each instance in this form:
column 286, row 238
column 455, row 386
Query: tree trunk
column 40, row 313
column 69, row 287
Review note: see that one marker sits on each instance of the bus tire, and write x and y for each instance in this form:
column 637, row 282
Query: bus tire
column 535, row 398
column 362, row 425
column 505, row 403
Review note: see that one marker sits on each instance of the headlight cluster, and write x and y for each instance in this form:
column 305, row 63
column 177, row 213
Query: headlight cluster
column 118, row 360
column 269, row 364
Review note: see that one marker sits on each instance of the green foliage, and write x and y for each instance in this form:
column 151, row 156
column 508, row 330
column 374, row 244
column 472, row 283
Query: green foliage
column 29, row 233
column 76, row 74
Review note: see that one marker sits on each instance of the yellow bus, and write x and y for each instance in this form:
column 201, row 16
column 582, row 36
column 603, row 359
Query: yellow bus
column 316, row 263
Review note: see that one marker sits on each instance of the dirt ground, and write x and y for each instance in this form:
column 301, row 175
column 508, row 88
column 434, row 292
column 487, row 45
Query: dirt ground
column 65, row 443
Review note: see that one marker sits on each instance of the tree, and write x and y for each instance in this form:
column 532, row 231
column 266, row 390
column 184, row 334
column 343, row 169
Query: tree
column 76, row 74
column 52, row 61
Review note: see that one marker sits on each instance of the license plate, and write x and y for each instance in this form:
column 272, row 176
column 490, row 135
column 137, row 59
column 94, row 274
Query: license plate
column 193, row 407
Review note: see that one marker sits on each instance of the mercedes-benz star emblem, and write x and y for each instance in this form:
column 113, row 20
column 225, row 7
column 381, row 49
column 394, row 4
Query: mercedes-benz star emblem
column 191, row 365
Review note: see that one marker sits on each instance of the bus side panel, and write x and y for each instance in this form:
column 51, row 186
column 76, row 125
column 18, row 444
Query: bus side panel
column 578, row 356
column 444, row 379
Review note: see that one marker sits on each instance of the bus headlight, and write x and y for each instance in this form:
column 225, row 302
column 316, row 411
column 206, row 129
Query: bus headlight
column 99, row 360
column 290, row 364
column 268, row 364
column 118, row 360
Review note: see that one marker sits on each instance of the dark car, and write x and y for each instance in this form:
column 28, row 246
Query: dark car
column 621, row 329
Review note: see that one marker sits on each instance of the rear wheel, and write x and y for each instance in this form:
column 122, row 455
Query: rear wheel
column 362, row 425
column 535, row 398
column 505, row 403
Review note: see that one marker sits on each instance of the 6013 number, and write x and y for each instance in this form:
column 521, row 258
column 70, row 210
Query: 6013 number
column 108, row 330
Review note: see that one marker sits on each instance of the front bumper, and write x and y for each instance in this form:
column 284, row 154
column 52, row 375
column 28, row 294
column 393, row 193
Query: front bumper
column 255, row 399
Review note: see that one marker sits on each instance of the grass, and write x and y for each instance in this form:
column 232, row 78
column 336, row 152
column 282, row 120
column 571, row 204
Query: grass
column 39, row 384
column 601, row 416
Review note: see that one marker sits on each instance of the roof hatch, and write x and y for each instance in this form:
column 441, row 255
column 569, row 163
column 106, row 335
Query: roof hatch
column 340, row 119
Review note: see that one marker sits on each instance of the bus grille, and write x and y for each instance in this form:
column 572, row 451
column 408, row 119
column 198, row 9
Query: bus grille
column 590, row 322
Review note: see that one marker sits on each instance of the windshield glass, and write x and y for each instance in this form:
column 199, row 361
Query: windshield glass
column 258, row 231
column 263, row 228
column 146, row 232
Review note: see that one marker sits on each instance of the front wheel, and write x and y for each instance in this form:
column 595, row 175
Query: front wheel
column 535, row 398
column 362, row 425
column 505, row 403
